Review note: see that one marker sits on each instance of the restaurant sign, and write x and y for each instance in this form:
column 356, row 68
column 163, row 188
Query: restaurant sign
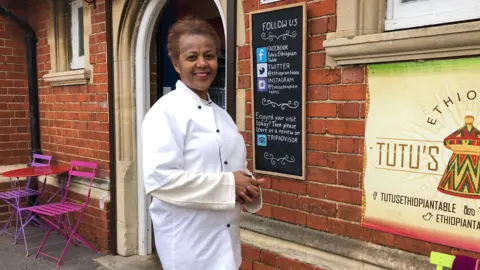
column 422, row 151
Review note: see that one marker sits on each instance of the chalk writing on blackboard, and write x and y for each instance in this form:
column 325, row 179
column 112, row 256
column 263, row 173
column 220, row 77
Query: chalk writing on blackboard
column 282, row 160
column 278, row 47
column 267, row 102
column 283, row 36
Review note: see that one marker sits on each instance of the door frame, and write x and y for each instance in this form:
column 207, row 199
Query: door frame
column 142, row 102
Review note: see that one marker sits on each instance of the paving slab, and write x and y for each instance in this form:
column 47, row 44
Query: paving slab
column 13, row 256
column 127, row 263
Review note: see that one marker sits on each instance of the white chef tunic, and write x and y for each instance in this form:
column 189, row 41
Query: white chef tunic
column 190, row 149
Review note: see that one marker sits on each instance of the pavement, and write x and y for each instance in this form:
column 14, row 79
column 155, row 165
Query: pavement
column 127, row 263
column 76, row 258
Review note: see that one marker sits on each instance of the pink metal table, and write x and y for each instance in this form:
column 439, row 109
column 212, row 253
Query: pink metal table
column 37, row 171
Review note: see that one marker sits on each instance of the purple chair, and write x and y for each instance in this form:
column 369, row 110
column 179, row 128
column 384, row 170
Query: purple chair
column 13, row 198
column 54, row 211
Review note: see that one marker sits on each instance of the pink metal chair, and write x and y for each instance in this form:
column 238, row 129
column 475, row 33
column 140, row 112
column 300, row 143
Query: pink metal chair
column 55, row 211
column 13, row 198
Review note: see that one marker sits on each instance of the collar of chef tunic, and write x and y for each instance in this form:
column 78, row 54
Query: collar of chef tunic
column 200, row 138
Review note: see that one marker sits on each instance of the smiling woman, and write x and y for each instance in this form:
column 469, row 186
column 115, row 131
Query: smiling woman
column 193, row 48
column 194, row 161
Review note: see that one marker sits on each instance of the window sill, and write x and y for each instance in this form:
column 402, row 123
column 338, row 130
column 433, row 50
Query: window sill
column 73, row 77
column 453, row 40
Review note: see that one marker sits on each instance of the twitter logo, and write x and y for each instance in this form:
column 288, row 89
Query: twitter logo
column 427, row 216
column 262, row 70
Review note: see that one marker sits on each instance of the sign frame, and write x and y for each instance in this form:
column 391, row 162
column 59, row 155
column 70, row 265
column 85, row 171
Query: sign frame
column 303, row 85
column 419, row 181
column 264, row 2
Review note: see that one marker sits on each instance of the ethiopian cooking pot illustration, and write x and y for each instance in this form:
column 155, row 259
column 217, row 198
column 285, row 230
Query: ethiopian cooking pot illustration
column 462, row 174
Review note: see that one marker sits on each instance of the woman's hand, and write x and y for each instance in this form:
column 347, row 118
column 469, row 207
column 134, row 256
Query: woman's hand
column 261, row 182
column 245, row 185
column 240, row 200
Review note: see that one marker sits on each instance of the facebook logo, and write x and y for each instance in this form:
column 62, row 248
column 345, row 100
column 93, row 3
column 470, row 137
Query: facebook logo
column 262, row 55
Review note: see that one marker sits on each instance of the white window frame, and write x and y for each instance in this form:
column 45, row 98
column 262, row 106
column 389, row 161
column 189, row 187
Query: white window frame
column 77, row 62
column 429, row 12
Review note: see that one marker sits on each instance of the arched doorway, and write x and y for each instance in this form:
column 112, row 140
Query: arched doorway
column 163, row 75
column 143, row 102
column 135, row 22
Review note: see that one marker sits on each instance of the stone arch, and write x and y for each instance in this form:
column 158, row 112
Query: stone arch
column 134, row 23
column 125, row 14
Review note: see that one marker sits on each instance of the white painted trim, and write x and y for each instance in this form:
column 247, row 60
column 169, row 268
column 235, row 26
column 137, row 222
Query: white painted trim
column 429, row 12
column 142, row 100
column 142, row 96
column 78, row 62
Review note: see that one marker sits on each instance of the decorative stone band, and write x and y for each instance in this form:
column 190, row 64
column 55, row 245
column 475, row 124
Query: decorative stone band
column 9, row 168
column 100, row 187
column 335, row 245
column 462, row 39
column 303, row 254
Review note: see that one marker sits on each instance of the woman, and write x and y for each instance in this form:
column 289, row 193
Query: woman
column 195, row 161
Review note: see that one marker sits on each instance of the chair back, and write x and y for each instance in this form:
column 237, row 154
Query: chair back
column 75, row 170
column 37, row 158
column 39, row 161
column 441, row 260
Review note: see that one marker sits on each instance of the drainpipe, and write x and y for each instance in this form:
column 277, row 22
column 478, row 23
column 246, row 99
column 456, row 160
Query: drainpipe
column 111, row 123
column 31, row 45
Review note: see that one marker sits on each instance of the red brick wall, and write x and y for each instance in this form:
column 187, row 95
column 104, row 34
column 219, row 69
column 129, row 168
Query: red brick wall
column 74, row 119
column 260, row 259
column 330, row 199
column 14, row 112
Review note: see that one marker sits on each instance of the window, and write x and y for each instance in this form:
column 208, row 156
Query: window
column 76, row 39
column 68, row 31
column 403, row 14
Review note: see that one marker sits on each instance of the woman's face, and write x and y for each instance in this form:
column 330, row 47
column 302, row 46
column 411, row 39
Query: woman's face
column 197, row 62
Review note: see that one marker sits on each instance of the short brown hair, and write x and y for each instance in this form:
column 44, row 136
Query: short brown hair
column 189, row 26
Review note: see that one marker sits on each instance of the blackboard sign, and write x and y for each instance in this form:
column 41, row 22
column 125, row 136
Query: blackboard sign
column 278, row 84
